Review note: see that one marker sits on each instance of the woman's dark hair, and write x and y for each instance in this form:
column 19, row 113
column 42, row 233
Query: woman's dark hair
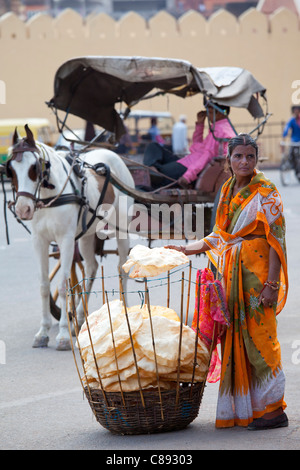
column 241, row 139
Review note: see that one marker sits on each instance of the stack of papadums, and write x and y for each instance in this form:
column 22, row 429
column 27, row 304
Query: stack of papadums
column 122, row 357
column 114, row 353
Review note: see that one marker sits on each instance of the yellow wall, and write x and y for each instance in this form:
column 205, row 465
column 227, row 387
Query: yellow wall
column 31, row 52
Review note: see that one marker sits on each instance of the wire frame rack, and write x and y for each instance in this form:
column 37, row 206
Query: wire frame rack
column 143, row 411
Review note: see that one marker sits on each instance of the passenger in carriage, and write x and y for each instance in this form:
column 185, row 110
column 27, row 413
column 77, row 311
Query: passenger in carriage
column 202, row 150
column 154, row 132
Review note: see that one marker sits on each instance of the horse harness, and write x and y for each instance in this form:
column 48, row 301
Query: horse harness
column 43, row 174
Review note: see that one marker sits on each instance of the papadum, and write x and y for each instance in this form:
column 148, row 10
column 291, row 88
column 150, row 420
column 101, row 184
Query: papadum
column 150, row 262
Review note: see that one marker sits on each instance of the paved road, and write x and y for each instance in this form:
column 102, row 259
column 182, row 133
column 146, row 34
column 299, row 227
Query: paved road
column 41, row 400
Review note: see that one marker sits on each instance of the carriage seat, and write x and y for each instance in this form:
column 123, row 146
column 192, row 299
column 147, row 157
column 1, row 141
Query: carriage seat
column 208, row 182
column 212, row 176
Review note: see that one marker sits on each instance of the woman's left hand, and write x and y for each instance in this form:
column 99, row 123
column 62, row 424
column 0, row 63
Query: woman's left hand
column 268, row 297
column 221, row 329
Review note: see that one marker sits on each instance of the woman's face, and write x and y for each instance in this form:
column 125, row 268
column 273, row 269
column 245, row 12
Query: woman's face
column 243, row 160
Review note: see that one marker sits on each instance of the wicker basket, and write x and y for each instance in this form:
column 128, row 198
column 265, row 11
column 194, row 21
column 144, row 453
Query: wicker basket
column 156, row 416
column 144, row 411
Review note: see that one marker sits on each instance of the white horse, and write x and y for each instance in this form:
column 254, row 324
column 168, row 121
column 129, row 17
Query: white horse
column 38, row 173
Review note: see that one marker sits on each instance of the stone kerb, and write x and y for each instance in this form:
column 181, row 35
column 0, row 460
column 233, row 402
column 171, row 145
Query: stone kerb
column 133, row 27
column 192, row 25
column 11, row 27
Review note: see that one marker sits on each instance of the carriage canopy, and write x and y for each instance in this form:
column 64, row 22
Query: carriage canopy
column 90, row 87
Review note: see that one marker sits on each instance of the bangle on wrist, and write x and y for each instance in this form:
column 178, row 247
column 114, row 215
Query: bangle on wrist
column 273, row 284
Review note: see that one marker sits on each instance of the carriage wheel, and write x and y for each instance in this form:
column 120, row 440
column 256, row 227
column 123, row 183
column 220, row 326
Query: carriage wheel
column 55, row 309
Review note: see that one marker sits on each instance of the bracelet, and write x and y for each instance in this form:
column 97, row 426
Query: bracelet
column 273, row 284
column 182, row 249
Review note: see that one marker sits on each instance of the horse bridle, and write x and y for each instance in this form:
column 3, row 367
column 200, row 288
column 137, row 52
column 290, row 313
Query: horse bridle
column 43, row 171
column 42, row 168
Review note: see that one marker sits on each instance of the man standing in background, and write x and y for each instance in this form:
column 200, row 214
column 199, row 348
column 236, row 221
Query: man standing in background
column 179, row 137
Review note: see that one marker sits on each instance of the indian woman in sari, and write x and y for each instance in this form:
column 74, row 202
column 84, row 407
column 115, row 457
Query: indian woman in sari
column 248, row 248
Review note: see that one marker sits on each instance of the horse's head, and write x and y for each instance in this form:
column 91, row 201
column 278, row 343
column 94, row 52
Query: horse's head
column 24, row 168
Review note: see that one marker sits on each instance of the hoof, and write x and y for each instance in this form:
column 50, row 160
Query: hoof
column 63, row 345
column 40, row 342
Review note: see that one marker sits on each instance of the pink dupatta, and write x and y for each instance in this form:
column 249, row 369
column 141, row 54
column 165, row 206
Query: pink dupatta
column 212, row 308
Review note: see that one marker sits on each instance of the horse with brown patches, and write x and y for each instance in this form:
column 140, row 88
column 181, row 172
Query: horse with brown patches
column 41, row 177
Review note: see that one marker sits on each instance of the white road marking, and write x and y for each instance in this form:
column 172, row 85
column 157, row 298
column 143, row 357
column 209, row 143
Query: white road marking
column 35, row 398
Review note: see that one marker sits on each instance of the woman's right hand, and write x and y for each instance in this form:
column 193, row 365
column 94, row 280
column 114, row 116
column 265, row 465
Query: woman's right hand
column 175, row 247
column 191, row 249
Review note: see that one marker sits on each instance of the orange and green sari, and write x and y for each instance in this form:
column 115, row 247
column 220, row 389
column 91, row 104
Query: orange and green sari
column 252, row 380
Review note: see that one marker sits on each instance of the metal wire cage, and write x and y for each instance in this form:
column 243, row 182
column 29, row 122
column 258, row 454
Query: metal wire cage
column 142, row 411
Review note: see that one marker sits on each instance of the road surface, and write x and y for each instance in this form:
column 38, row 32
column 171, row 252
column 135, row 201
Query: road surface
column 41, row 400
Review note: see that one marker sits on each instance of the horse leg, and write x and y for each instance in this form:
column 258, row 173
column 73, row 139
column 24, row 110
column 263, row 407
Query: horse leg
column 122, row 236
column 87, row 251
column 41, row 339
column 66, row 248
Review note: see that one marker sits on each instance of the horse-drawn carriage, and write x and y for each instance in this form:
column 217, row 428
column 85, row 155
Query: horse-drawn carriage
column 92, row 186
column 92, row 88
